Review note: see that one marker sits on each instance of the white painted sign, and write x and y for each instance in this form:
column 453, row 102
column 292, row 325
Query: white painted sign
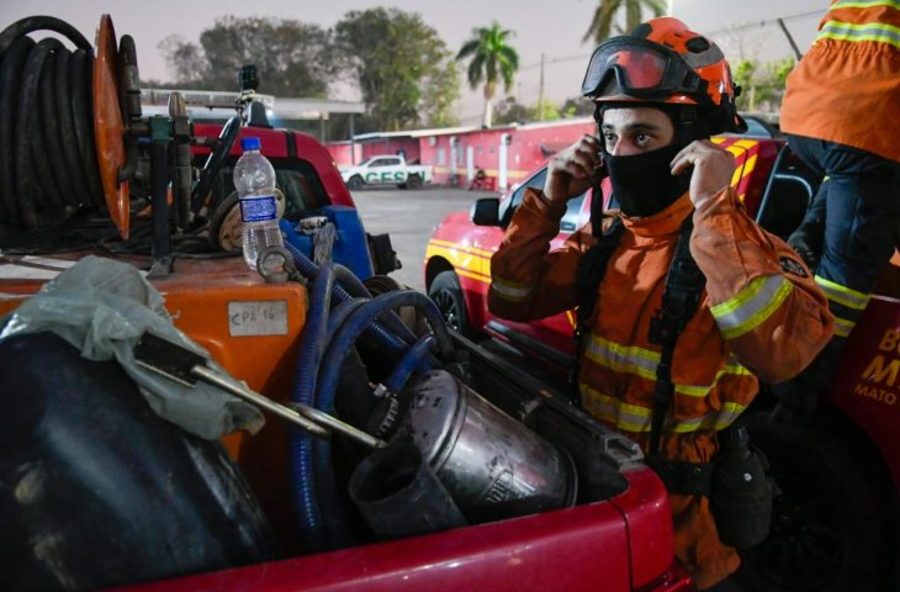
column 257, row 317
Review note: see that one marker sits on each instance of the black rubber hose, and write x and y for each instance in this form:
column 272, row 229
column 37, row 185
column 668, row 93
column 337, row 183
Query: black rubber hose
column 50, row 201
column 48, row 129
column 26, row 180
column 48, row 162
column 31, row 24
column 80, row 70
column 10, row 75
column 65, row 132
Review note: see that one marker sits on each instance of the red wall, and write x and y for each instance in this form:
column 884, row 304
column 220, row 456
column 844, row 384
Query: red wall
column 392, row 146
column 529, row 147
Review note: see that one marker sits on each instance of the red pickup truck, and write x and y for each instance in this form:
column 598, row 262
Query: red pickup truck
column 98, row 491
column 835, row 524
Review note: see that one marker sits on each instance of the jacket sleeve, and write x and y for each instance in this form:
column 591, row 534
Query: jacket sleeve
column 764, row 300
column 528, row 281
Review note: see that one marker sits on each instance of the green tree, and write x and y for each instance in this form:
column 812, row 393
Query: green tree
column 492, row 60
column 762, row 84
column 545, row 111
column 292, row 58
column 509, row 110
column 394, row 57
column 605, row 16
column 440, row 95
column 577, row 107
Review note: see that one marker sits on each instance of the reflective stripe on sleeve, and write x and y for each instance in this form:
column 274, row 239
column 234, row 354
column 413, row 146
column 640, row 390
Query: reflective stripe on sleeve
column 843, row 327
column 752, row 306
column 878, row 32
column 865, row 4
column 511, row 291
column 843, row 295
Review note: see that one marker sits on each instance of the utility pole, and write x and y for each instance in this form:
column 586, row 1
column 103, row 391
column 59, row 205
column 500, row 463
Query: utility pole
column 541, row 92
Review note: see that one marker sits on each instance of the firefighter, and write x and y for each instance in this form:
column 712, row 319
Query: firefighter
column 841, row 112
column 660, row 92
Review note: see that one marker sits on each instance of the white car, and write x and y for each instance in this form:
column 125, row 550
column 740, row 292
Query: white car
column 386, row 170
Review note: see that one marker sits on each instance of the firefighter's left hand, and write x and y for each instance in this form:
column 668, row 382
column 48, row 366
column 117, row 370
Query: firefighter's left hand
column 713, row 169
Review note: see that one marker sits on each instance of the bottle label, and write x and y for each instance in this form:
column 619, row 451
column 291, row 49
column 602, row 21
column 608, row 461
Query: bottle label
column 258, row 208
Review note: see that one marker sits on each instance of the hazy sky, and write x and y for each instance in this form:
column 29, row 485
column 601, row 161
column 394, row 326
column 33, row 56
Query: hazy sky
column 552, row 27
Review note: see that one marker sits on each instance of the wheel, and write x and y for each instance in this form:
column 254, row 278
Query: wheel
column 833, row 522
column 355, row 182
column 447, row 294
column 401, row 185
column 414, row 182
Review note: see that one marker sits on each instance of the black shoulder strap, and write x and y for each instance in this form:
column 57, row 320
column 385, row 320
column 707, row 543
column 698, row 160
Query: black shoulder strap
column 590, row 272
column 592, row 268
column 681, row 297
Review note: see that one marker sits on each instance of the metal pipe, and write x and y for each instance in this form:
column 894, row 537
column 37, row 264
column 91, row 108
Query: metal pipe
column 790, row 38
column 310, row 419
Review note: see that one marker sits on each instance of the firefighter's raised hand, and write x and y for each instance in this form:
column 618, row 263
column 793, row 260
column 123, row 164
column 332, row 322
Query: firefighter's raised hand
column 572, row 171
column 713, row 169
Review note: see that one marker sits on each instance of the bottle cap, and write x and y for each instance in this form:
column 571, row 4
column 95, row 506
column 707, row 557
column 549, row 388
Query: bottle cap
column 249, row 144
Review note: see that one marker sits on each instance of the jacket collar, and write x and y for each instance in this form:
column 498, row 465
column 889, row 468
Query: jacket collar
column 666, row 222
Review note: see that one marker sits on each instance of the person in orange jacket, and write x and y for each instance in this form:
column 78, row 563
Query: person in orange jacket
column 841, row 111
column 660, row 93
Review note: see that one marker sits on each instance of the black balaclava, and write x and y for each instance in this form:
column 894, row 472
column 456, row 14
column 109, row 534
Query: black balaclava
column 643, row 184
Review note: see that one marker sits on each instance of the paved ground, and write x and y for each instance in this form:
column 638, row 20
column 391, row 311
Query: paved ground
column 409, row 217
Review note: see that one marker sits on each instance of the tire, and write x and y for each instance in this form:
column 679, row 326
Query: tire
column 414, row 182
column 355, row 182
column 834, row 522
column 401, row 185
column 446, row 292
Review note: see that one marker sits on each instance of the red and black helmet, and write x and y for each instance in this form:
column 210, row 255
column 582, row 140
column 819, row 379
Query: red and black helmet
column 662, row 61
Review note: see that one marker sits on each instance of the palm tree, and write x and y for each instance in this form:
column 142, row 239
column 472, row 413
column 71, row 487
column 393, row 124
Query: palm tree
column 492, row 59
column 604, row 16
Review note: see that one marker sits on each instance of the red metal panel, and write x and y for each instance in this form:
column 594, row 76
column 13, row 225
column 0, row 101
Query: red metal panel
column 583, row 548
column 274, row 145
column 651, row 536
column 867, row 388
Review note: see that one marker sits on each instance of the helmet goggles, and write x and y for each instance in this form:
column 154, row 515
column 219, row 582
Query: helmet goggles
column 643, row 69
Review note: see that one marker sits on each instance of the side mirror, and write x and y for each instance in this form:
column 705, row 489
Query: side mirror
column 486, row 212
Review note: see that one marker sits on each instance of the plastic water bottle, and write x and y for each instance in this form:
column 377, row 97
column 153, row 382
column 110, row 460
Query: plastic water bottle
column 254, row 179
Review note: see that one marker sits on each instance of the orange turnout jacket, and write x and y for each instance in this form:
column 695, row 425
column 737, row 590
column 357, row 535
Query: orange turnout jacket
column 846, row 89
column 762, row 316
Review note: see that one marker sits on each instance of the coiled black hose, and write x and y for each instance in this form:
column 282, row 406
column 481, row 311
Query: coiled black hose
column 48, row 164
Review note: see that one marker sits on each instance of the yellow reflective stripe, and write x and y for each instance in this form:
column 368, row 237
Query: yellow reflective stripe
column 464, row 248
column 704, row 390
column 632, row 360
column 843, row 295
column 842, row 327
column 625, row 416
column 865, row 4
column 752, row 306
column 637, row 418
column 511, row 291
column 461, row 260
column 712, row 421
column 643, row 363
column 879, row 32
